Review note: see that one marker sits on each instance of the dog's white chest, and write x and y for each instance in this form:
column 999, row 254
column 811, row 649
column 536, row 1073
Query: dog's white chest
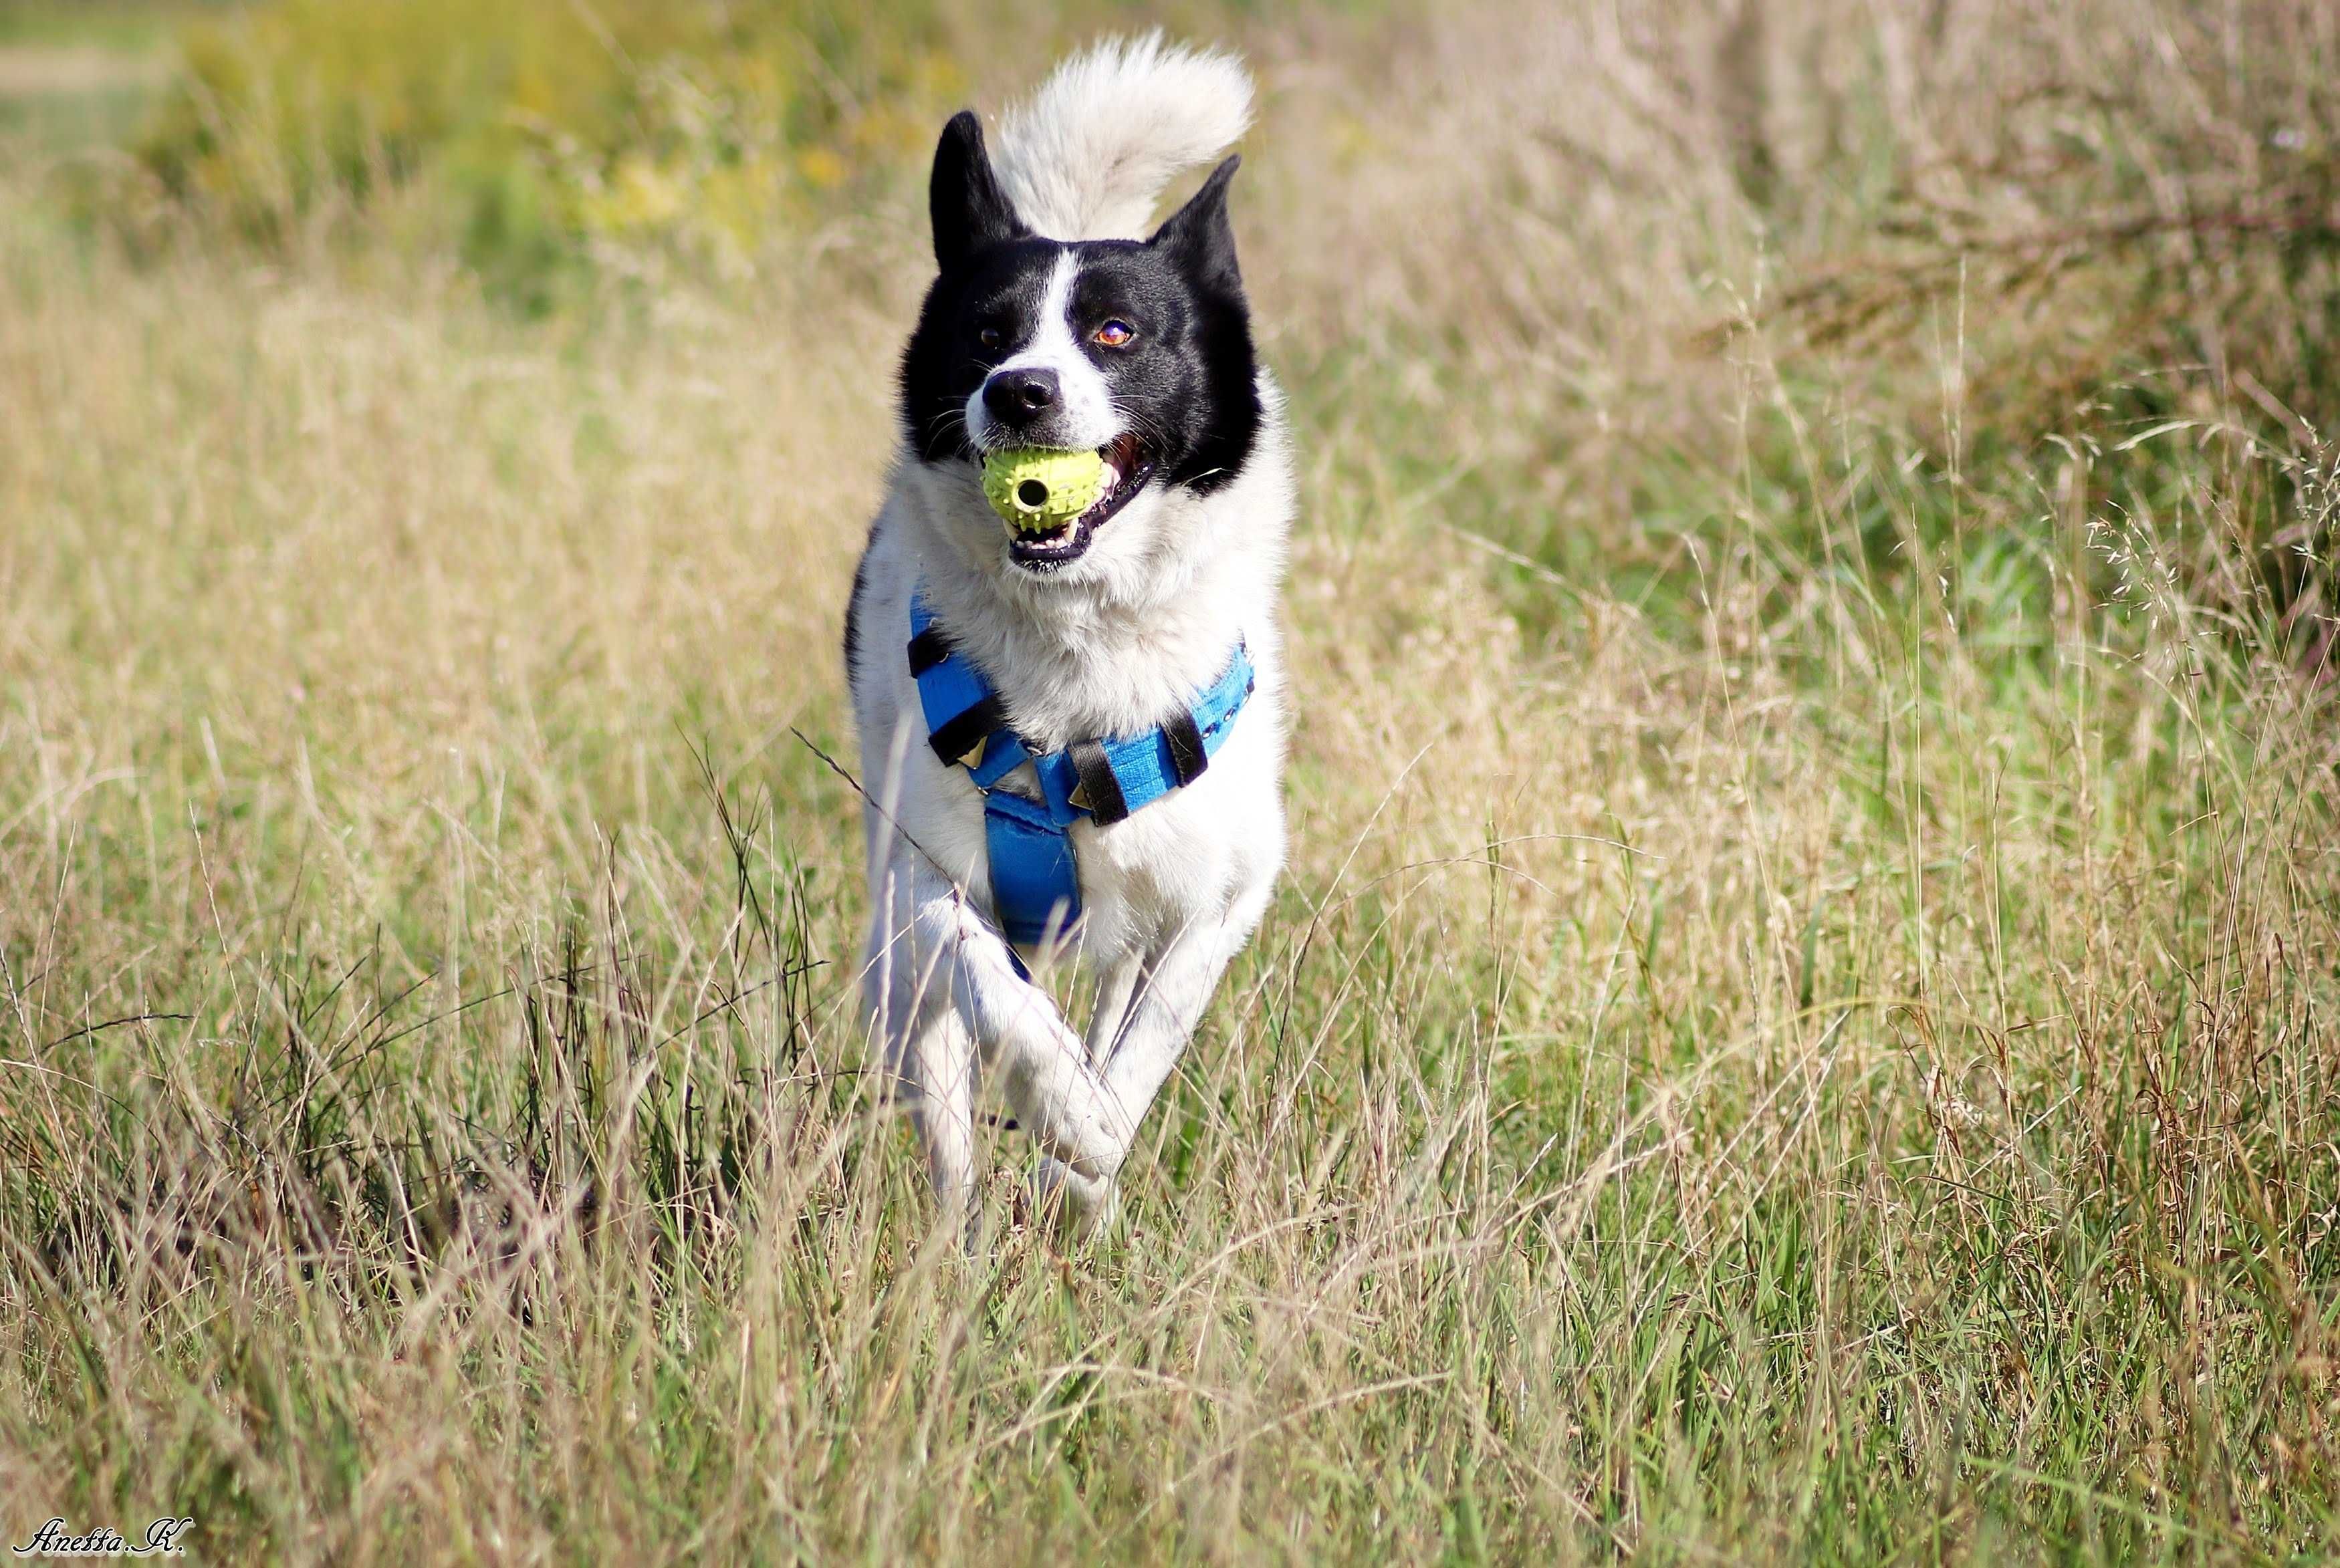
column 1184, row 860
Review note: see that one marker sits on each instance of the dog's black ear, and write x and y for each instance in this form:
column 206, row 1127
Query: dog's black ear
column 969, row 208
column 1199, row 237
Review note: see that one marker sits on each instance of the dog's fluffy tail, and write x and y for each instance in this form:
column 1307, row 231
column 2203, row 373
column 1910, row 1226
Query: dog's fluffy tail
column 1087, row 157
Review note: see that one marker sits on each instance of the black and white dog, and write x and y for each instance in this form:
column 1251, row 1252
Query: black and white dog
column 1073, row 742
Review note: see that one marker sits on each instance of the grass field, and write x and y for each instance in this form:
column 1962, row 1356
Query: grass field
column 1804, row 1020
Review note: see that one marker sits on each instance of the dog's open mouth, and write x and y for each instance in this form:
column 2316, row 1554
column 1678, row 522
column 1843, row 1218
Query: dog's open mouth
column 1127, row 468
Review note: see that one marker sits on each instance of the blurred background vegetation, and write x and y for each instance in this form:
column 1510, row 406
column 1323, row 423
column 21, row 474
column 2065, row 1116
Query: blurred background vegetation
column 538, row 139
column 2093, row 224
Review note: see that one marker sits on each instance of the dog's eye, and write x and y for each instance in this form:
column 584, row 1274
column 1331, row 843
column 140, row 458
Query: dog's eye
column 990, row 337
column 1115, row 334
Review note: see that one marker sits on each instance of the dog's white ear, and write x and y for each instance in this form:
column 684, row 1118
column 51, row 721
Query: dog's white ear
column 1199, row 236
column 969, row 208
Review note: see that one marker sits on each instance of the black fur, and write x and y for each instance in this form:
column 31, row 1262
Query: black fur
column 1187, row 385
column 964, row 199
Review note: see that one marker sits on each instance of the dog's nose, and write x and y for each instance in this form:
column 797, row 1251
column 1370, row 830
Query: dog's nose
column 1016, row 395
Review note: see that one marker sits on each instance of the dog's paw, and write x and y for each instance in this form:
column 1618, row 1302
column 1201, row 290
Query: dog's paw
column 1077, row 1207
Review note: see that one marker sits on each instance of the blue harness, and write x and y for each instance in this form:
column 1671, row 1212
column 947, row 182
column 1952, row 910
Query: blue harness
column 1035, row 884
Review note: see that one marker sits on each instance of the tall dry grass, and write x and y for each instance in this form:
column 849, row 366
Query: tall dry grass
column 1800, row 1025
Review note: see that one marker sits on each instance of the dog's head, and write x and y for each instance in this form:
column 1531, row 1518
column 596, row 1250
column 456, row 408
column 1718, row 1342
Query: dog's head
column 1140, row 350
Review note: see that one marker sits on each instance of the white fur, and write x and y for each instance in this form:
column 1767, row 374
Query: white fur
column 1114, row 643
column 1087, row 158
column 1085, row 402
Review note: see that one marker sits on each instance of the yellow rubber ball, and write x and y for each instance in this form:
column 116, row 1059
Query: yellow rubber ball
column 1036, row 490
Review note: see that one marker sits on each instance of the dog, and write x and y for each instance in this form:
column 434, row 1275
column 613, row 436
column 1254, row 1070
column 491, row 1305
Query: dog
column 1072, row 743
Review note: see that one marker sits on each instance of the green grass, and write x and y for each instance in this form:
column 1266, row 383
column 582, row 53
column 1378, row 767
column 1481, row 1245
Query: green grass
column 128, row 26
column 1800, row 1027
column 77, row 78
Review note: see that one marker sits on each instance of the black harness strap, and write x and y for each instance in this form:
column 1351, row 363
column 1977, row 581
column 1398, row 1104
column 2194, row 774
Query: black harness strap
column 960, row 732
column 1097, row 781
column 928, row 649
column 1187, row 753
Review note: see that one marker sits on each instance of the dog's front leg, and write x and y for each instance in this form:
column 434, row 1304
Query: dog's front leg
column 1116, row 991
column 935, row 951
column 921, row 1041
column 1161, row 1017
